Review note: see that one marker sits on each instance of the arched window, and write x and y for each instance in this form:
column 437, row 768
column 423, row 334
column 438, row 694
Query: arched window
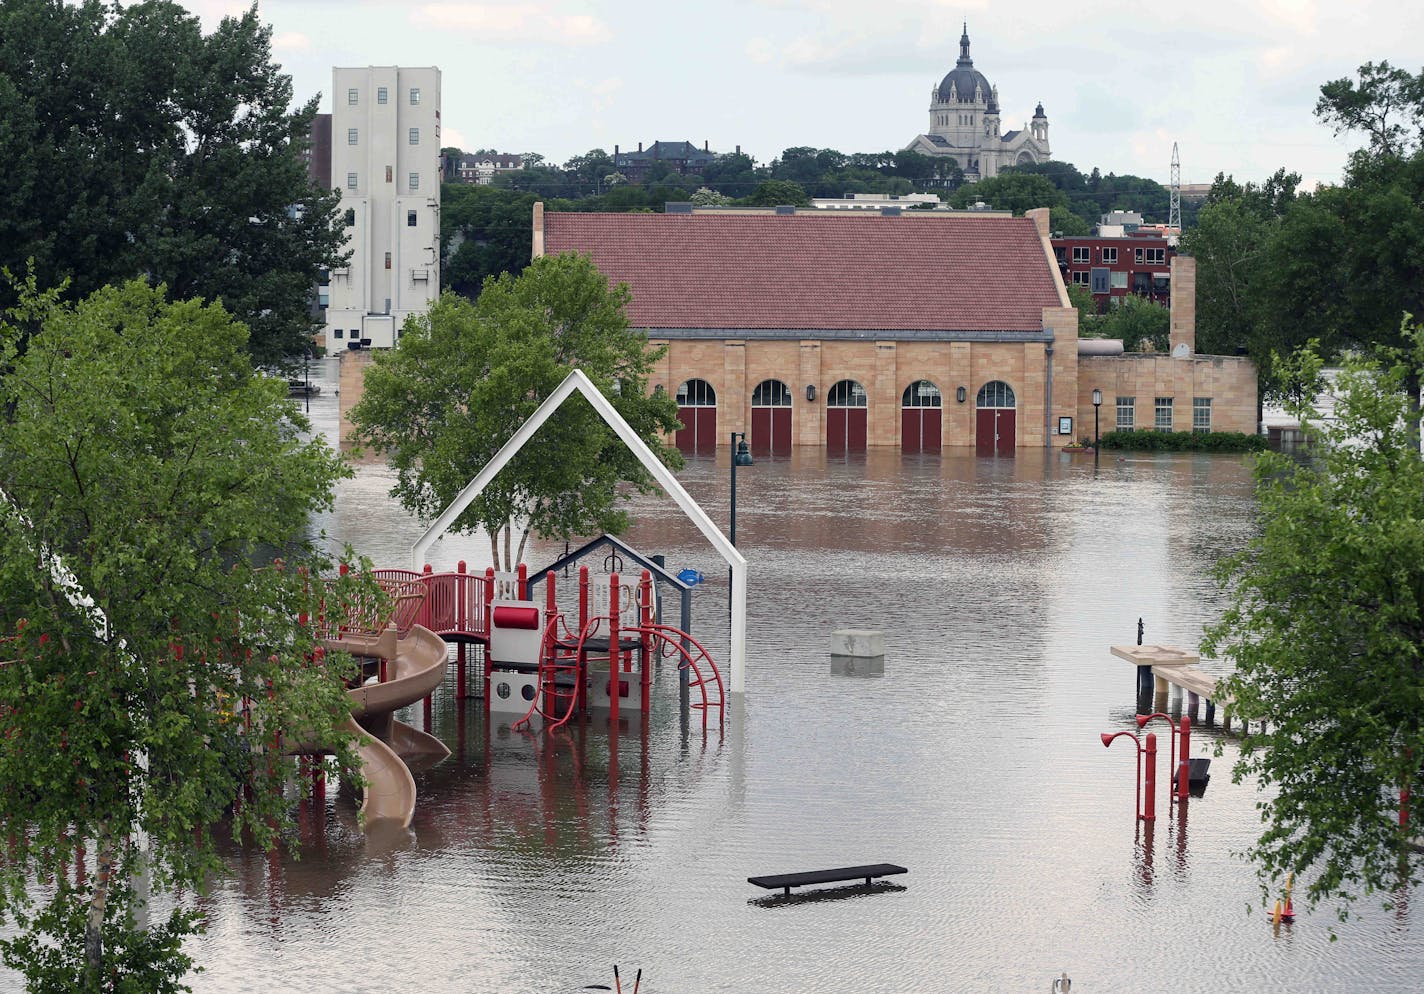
column 697, row 410
column 921, row 393
column 771, row 419
column 846, row 393
column 771, row 393
column 995, row 393
column 696, row 393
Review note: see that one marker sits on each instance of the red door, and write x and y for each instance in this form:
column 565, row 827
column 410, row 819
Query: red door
column 994, row 431
column 771, row 431
column 698, row 434
column 919, row 429
column 846, row 430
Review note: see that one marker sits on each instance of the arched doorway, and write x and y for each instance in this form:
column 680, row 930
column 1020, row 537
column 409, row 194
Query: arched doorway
column 697, row 410
column 771, row 419
column 920, row 408
column 846, row 418
column 995, row 419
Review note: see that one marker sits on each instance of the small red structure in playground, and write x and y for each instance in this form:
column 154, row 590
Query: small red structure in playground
column 560, row 663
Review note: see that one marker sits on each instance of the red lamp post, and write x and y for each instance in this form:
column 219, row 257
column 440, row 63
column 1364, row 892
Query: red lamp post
column 1181, row 749
column 1147, row 811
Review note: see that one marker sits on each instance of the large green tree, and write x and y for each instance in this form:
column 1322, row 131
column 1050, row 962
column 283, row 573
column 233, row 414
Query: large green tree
column 134, row 145
column 465, row 376
column 1325, row 626
column 150, row 476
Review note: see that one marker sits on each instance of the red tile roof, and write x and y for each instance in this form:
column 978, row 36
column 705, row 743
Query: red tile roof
column 808, row 272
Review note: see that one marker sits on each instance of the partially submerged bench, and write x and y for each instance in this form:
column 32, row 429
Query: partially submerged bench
column 785, row 881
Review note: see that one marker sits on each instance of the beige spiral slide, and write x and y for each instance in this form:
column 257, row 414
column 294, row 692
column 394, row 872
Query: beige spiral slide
column 415, row 667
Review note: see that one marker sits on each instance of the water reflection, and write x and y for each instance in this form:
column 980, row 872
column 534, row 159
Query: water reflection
column 534, row 862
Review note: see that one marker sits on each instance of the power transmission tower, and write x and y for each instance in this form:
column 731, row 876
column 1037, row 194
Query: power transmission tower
column 1174, row 212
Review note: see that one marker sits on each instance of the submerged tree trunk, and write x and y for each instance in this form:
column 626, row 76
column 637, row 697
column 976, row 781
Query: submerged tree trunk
column 94, row 922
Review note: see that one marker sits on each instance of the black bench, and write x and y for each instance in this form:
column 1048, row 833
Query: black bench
column 786, row 881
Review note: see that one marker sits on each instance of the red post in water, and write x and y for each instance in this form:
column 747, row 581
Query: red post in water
column 488, row 615
column 1149, row 784
column 615, row 674
column 1184, row 752
column 319, row 782
column 425, row 715
column 583, row 597
column 79, row 869
column 460, row 672
column 646, row 619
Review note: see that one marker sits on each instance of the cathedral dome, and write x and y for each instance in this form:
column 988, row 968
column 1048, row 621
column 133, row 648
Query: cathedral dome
column 963, row 78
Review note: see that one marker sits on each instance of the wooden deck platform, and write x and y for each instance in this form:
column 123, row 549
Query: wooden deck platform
column 1171, row 667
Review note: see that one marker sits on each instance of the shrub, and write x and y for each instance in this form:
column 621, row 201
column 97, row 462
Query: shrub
column 1146, row 440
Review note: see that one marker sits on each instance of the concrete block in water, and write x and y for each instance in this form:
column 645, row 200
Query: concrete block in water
column 857, row 642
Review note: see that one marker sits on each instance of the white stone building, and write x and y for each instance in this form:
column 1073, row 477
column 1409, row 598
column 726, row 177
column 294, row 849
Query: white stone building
column 385, row 161
column 964, row 124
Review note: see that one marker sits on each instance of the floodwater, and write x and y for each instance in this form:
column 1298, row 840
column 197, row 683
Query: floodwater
column 535, row 863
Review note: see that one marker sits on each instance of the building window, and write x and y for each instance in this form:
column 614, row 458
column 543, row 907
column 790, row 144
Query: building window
column 1126, row 413
column 350, row 181
column 415, row 181
column 380, row 94
column 1082, row 253
column 1201, row 414
column 1137, row 256
column 1119, row 279
column 339, row 332
column 351, row 136
column 1081, row 279
column 1162, row 419
column 410, row 221
column 1110, row 255
column 414, row 95
column 388, row 266
column 352, row 97
column 415, row 136
column 1156, row 256
column 390, row 173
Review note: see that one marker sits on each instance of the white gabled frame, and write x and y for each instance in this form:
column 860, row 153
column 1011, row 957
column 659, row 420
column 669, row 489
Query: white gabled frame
column 578, row 381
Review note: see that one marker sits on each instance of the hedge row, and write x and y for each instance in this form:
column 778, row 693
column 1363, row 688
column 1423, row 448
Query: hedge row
column 1144, row 440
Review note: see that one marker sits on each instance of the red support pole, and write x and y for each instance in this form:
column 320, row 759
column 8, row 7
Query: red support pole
column 645, row 585
column 79, row 869
column 615, row 675
column 489, row 614
column 583, row 597
column 426, row 712
column 460, row 672
column 319, row 782
column 1184, row 752
column 522, row 571
column 1149, row 784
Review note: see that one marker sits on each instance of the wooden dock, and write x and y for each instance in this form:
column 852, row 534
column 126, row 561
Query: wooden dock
column 1172, row 667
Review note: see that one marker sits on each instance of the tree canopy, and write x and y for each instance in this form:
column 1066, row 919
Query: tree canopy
column 137, row 146
column 465, row 376
column 155, row 654
column 1325, row 626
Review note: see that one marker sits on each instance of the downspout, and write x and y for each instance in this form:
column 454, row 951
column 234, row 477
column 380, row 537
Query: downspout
column 1048, row 395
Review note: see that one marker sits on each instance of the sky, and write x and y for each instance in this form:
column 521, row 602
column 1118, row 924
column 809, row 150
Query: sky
column 1233, row 83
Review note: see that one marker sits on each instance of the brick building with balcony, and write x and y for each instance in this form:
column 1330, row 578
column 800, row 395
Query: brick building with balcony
column 1110, row 267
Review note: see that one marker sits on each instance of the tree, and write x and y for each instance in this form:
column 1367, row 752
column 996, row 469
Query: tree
column 136, row 146
column 1017, row 192
column 153, row 662
column 1325, row 626
column 1135, row 320
column 1387, row 105
column 704, row 197
column 465, row 376
column 775, row 192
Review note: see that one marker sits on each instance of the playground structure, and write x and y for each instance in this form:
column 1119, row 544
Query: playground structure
column 537, row 662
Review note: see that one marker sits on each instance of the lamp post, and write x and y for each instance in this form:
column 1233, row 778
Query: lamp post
column 1180, row 748
column 1149, row 812
column 1097, row 403
column 741, row 456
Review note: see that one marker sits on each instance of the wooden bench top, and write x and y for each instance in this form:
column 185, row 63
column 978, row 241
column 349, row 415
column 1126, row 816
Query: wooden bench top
column 785, row 881
column 1153, row 655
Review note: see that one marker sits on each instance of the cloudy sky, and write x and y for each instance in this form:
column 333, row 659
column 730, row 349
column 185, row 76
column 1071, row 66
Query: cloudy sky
column 1235, row 83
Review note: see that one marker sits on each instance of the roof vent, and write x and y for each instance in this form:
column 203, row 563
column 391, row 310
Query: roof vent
column 890, row 212
column 786, row 209
column 677, row 207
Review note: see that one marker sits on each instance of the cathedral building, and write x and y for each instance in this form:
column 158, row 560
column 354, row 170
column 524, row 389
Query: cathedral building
column 964, row 124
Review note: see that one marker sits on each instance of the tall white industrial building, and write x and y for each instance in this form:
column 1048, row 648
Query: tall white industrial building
column 385, row 161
